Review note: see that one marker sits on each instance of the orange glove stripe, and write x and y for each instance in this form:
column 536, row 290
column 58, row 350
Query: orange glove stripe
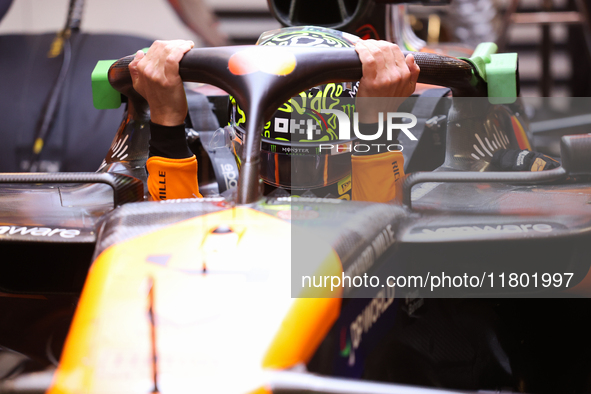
column 172, row 178
column 374, row 176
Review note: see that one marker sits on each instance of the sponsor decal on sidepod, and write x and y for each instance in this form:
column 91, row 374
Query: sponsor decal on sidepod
column 38, row 231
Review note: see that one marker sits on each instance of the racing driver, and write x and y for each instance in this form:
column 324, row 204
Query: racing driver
column 387, row 73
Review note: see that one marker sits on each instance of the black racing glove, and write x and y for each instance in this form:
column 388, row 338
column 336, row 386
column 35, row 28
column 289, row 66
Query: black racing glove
column 522, row 160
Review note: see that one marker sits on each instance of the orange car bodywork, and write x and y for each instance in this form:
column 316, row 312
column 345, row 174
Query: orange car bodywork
column 237, row 315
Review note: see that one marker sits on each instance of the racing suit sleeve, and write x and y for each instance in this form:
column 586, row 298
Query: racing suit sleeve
column 375, row 173
column 172, row 168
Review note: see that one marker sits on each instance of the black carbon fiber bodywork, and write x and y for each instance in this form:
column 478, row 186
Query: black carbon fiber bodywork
column 133, row 220
column 125, row 188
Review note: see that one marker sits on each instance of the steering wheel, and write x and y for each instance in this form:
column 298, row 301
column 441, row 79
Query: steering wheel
column 263, row 77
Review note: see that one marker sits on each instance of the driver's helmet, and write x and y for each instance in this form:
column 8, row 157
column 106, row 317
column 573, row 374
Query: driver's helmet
column 295, row 152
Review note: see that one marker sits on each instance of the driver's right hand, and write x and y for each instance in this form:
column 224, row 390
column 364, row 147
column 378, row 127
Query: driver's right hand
column 388, row 78
column 155, row 76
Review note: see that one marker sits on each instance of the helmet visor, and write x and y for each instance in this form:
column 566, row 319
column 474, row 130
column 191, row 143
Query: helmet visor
column 304, row 165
